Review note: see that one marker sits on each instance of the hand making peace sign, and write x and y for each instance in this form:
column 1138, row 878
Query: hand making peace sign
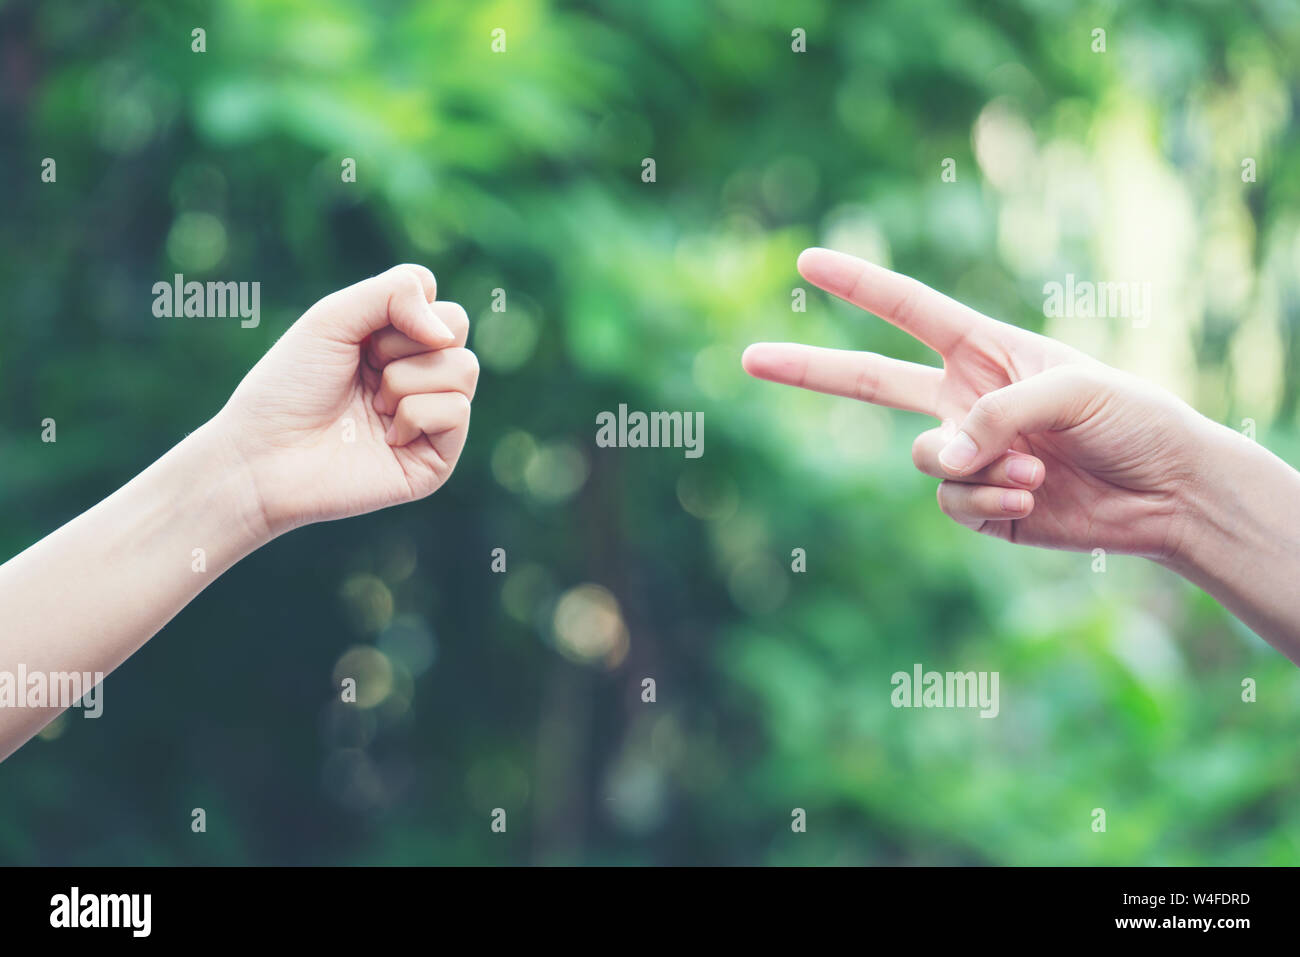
column 1039, row 444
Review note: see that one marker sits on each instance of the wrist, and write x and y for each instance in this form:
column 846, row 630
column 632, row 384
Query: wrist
column 1204, row 496
column 1228, row 505
column 229, row 483
column 1240, row 534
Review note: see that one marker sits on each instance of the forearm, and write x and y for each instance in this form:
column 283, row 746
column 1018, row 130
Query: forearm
column 84, row 598
column 1240, row 539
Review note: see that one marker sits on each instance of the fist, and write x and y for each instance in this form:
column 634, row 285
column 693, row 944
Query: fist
column 363, row 403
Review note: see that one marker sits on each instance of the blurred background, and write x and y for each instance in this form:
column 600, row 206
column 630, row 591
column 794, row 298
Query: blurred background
column 521, row 170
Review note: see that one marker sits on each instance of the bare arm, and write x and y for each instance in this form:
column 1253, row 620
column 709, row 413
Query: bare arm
column 363, row 403
column 1241, row 536
column 1039, row 444
column 84, row 598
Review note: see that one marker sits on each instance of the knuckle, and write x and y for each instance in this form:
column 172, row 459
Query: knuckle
column 388, row 378
column 866, row 385
column 1082, row 379
column 404, row 413
column 467, row 371
column 800, row 379
column 409, row 278
column 920, row 452
column 413, row 270
column 461, row 365
column 989, row 409
column 461, row 404
column 471, row 366
column 904, row 311
column 456, row 313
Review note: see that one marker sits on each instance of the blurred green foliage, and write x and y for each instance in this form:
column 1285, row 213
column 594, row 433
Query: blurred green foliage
column 521, row 171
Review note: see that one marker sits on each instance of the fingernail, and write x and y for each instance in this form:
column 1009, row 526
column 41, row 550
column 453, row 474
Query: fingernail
column 958, row 453
column 1013, row 501
column 1022, row 471
column 391, row 436
column 439, row 326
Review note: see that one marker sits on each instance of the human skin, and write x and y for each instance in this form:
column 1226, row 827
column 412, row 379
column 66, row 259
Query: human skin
column 1039, row 444
column 362, row 404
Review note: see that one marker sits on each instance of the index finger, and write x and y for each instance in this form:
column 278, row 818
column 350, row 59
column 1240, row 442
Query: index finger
column 400, row 297
column 856, row 375
column 930, row 316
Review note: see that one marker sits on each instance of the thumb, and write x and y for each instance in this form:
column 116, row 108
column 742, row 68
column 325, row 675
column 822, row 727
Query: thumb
column 399, row 297
column 1052, row 400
